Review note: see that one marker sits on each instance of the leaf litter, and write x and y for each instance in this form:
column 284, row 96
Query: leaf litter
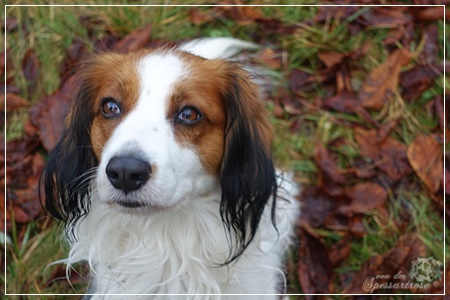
column 342, row 195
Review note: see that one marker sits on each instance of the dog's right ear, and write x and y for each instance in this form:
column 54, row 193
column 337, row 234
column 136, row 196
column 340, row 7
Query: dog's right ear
column 71, row 164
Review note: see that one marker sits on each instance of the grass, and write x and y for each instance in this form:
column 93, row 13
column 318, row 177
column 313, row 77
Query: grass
column 49, row 31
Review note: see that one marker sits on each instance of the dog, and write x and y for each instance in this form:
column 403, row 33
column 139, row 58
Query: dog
column 164, row 177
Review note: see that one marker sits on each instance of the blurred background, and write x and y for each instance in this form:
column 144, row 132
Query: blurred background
column 357, row 105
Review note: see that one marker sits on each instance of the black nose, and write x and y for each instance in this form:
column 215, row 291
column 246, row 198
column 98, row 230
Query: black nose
column 128, row 173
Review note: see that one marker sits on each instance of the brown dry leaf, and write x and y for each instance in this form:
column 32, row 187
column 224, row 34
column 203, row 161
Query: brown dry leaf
column 272, row 26
column 394, row 161
column 439, row 110
column 389, row 154
column 2, row 208
column 300, row 81
column 416, row 80
column 385, row 17
column 271, row 58
column 346, row 102
column 30, row 69
column 340, row 251
column 3, row 55
column 430, row 13
column 367, row 142
column 364, row 197
column 356, row 226
column 242, row 15
column 386, row 129
column 382, row 81
column 408, row 248
column 430, row 51
column 363, row 169
column 426, row 157
column 49, row 114
column 24, row 165
column 13, row 102
column 198, row 17
column 316, row 207
column 134, row 40
column 339, row 13
column 331, row 59
column 330, row 178
column 10, row 24
column 74, row 56
column 314, row 267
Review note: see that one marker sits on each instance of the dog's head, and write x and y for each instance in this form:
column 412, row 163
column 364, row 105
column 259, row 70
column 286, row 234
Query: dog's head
column 153, row 130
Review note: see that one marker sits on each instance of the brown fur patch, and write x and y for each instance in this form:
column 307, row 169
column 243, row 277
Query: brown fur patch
column 110, row 75
column 205, row 89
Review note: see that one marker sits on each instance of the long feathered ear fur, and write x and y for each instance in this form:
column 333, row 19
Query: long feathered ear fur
column 70, row 163
column 247, row 178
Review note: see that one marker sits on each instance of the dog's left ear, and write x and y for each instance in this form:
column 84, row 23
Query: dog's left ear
column 247, row 177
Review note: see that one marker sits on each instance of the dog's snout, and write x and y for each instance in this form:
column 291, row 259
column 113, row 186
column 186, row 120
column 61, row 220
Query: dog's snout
column 128, row 173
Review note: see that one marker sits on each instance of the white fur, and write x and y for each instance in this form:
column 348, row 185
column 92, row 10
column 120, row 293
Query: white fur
column 213, row 48
column 175, row 252
column 176, row 245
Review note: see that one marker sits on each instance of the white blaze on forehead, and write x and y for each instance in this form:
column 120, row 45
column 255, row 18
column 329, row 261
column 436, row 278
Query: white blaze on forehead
column 157, row 75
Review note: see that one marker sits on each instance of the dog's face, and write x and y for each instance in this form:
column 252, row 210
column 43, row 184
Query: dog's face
column 156, row 129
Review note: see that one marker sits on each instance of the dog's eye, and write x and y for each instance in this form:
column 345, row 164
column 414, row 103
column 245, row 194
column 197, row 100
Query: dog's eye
column 189, row 115
column 110, row 108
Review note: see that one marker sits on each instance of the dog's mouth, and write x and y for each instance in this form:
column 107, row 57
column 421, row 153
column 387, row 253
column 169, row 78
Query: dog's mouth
column 136, row 206
column 131, row 204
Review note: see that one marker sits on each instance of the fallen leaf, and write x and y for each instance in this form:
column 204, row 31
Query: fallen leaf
column 338, row 13
column 30, row 70
column 10, row 24
column 388, row 154
column 356, row 226
column 330, row 179
column 314, row 267
column 331, row 59
column 271, row 58
column 426, row 157
column 106, row 43
column 382, row 81
column 363, row 169
column 3, row 62
column 367, row 142
column 382, row 268
column 430, row 51
column 299, row 81
column 439, row 108
column 135, row 40
column 316, row 207
column 3, row 208
column 74, row 57
column 394, row 161
column 48, row 115
column 386, row 129
column 340, row 251
column 364, row 197
column 24, row 165
column 242, row 15
column 198, row 17
column 13, row 102
column 416, row 80
column 346, row 102
column 384, row 17
column 430, row 13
